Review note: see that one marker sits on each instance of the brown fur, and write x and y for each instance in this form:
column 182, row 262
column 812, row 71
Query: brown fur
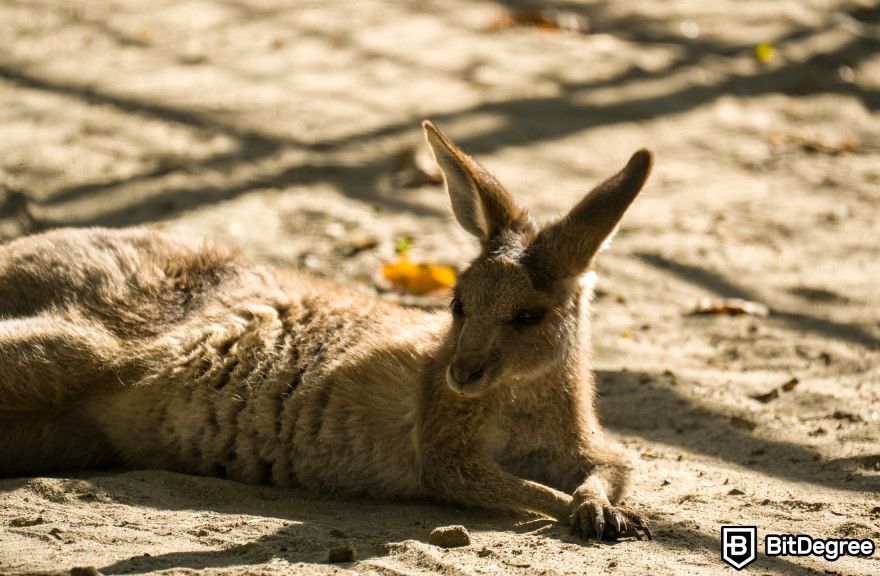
column 132, row 347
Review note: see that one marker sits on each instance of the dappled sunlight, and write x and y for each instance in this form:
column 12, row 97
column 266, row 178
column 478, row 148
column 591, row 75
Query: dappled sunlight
column 291, row 131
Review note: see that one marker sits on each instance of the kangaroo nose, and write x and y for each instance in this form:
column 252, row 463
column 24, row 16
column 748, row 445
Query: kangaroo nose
column 466, row 369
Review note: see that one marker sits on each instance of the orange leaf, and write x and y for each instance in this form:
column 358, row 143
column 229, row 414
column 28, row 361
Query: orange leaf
column 418, row 278
column 730, row 306
column 548, row 20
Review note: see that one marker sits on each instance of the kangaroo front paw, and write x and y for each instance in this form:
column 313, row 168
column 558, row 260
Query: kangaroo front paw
column 602, row 521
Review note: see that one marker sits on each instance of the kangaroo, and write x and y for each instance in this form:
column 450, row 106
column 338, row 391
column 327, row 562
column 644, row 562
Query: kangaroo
column 129, row 347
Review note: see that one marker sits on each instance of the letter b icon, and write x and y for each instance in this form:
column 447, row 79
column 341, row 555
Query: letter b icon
column 739, row 545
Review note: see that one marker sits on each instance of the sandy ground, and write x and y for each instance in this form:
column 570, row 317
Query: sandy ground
column 274, row 128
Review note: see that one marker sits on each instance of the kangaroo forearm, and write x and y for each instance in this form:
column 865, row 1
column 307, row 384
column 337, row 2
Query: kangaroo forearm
column 486, row 485
column 606, row 481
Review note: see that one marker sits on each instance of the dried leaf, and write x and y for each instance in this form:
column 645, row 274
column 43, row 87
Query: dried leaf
column 729, row 306
column 814, row 143
column 848, row 416
column 846, row 144
column 742, row 423
column 774, row 393
column 790, row 385
column 25, row 522
column 766, row 397
column 418, row 278
column 361, row 243
column 548, row 20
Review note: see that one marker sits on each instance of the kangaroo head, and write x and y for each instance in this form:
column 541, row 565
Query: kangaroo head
column 516, row 307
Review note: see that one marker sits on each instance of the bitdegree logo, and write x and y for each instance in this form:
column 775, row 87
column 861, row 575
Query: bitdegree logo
column 803, row 545
column 739, row 545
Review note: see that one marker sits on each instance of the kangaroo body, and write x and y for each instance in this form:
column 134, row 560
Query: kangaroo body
column 132, row 347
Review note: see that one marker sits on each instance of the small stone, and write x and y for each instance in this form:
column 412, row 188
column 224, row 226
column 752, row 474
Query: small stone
column 449, row 537
column 334, row 229
column 202, row 533
column 337, row 533
column 344, row 553
column 84, row 571
column 311, row 261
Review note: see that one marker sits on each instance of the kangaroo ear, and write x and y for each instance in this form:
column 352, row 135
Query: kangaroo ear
column 480, row 204
column 565, row 248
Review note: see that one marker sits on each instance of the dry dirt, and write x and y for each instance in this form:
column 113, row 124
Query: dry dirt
column 274, row 126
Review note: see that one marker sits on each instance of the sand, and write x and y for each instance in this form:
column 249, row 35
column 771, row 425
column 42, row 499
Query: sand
column 274, row 128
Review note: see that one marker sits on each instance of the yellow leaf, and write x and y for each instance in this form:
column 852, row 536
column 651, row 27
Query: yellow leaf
column 418, row 278
column 765, row 53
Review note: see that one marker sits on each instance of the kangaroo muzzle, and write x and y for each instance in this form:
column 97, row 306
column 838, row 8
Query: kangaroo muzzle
column 468, row 368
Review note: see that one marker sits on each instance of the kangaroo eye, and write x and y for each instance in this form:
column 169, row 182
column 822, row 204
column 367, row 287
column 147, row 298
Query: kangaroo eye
column 529, row 317
column 457, row 307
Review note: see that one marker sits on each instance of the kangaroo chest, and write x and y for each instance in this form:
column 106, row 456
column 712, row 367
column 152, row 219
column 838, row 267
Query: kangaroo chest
column 533, row 439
